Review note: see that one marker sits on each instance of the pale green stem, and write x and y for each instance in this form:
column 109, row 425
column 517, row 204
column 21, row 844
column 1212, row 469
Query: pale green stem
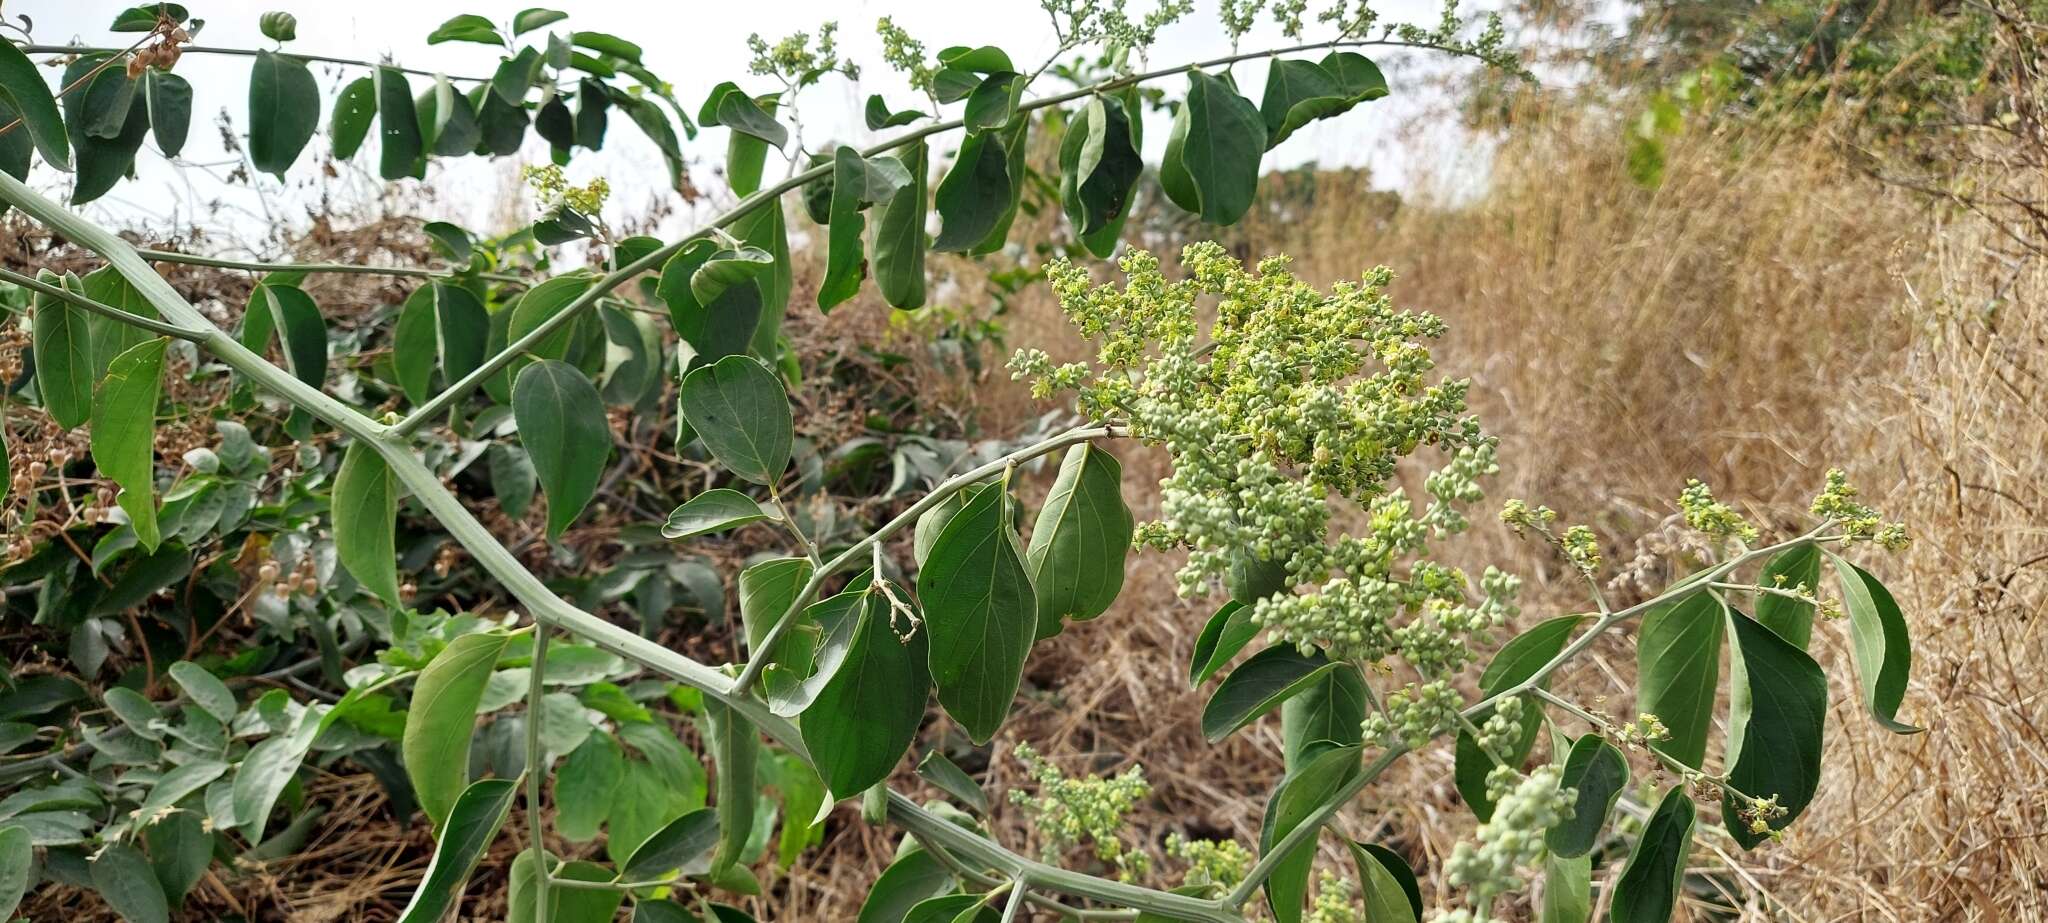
column 104, row 310
column 218, row 262
column 535, row 756
column 242, row 52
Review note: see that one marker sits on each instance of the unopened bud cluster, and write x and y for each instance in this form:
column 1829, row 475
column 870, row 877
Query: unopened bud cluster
column 1069, row 812
column 1525, row 808
column 1859, row 522
column 1218, row 863
column 1293, row 400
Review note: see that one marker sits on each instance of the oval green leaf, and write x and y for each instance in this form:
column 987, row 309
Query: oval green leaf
column 1777, row 710
column 442, row 718
column 473, row 823
column 124, row 433
column 1651, row 882
column 1678, row 662
column 981, row 613
column 1259, row 685
column 1883, row 648
column 562, row 426
column 1080, row 540
column 738, row 407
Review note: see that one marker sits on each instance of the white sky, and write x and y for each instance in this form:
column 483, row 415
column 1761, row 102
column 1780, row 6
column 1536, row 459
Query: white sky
column 693, row 45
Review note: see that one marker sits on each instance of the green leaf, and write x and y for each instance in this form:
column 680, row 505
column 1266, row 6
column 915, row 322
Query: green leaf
column 169, row 99
column 676, row 845
column 725, row 269
column 1789, row 569
column 562, row 426
column 1259, row 685
column 900, row 240
column 913, row 878
column 533, row 18
column 878, row 116
column 1598, row 772
column 954, row 908
column 981, row 614
column 565, row 904
column 767, row 590
column 948, row 777
column 1650, row 884
column 1300, row 92
column 1298, row 796
column 124, row 433
column 1777, row 709
column 1678, row 659
column 284, row 110
column 1226, row 633
column 291, row 313
column 986, row 59
column 106, row 150
column 63, row 353
column 1330, row 710
column 1080, row 540
column 1518, row 660
column 17, row 856
column 22, row 90
column 735, row 753
column 266, row 771
column 136, row 712
column 472, row 824
column 731, row 107
column 398, row 127
column 738, row 407
column 1567, row 890
column 354, row 109
column 514, row 76
column 1211, row 165
column 205, row 690
column 123, row 877
column 727, row 326
column 605, row 44
column 846, row 261
column 1878, row 636
column 415, row 345
column 974, row 195
column 366, row 520
column 467, row 27
column 866, row 713
column 442, row 718
column 540, row 304
column 585, row 785
column 993, row 103
column 1387, row 884
column 747, row 156
column 714, row 510
column 1099, row 168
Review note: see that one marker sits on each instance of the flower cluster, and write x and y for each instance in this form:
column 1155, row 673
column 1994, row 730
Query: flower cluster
column 1708, row 515
column 552, row 188
column 1336, row 900
column 1859, row 522
column 1219, row 863
column 905, row 54
column 1069, row 812
column 1293, row 401
column 1106, row 22
column 795, row 62
column 1525, row 808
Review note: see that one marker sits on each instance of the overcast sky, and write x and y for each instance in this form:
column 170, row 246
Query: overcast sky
column 693, row 45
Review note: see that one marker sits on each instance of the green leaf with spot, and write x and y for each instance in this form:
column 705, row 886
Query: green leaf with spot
column 398, row 127
column 354, row 110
